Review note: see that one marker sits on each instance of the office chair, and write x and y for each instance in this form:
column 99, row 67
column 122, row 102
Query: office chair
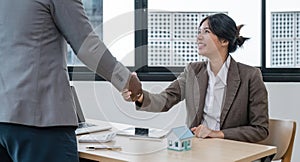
column 282, row 135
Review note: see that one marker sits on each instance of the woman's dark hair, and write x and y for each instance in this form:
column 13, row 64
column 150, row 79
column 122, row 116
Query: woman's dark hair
column 225, row 28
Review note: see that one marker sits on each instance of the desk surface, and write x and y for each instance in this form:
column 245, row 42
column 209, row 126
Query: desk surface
column 202, row 150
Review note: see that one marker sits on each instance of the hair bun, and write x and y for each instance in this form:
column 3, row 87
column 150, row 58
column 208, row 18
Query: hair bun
column 240, row 39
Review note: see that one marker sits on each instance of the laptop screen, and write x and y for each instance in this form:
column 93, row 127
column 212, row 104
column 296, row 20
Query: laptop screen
column 77, row 105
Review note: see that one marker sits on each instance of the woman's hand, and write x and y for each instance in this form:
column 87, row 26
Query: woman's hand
column 203, row 132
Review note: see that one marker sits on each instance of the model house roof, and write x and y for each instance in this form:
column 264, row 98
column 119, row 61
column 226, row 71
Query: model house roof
column 182, row 132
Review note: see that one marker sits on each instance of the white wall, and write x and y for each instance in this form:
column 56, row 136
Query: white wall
column 100, row 100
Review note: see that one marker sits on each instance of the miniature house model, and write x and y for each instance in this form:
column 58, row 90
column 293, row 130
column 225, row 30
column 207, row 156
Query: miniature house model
column 179, row 139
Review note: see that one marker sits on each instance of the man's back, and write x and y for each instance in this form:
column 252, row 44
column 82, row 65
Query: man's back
column 34, row 85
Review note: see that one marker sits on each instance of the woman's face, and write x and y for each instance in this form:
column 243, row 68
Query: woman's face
column 208, row 43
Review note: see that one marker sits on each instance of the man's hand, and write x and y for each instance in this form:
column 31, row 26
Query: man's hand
column 134, row 88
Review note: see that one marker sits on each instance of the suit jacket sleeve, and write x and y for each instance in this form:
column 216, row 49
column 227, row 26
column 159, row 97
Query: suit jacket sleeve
column 169, row 97
column 71, row 20
column 258, row 117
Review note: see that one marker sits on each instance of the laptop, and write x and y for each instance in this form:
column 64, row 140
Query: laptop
column 83, row 126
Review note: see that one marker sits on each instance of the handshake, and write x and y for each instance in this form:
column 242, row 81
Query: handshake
column 133, row 90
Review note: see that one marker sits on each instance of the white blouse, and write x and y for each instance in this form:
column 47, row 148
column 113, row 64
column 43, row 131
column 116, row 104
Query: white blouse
column 215, row 95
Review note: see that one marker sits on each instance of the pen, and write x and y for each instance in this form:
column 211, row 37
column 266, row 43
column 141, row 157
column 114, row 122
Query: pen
column 145, row 138
column 102, row 147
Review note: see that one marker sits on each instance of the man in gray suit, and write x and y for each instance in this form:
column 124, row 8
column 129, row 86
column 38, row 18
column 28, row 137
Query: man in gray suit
column 37, row 115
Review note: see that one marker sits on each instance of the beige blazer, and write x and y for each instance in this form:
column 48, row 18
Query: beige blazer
column 244, row 115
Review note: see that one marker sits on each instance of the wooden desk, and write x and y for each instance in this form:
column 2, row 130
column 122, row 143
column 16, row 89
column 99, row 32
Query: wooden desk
column 202, row 150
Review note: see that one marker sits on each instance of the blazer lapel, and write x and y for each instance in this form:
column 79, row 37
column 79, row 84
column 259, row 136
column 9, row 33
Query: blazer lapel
column 233, row 84
column 202, row 81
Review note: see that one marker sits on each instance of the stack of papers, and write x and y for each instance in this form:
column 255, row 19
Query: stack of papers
column 151, row 133
column 97, row 138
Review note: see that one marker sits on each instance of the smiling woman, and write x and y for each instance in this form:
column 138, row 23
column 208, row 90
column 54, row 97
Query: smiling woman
column 224, row 98
column 212, row 27
column 218, row 36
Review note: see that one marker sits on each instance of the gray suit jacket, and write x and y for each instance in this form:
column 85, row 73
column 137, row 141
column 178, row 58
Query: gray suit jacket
column 34, row 83
column 244, row 115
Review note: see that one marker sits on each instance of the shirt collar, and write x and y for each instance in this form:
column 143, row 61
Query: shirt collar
column 222, row 74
